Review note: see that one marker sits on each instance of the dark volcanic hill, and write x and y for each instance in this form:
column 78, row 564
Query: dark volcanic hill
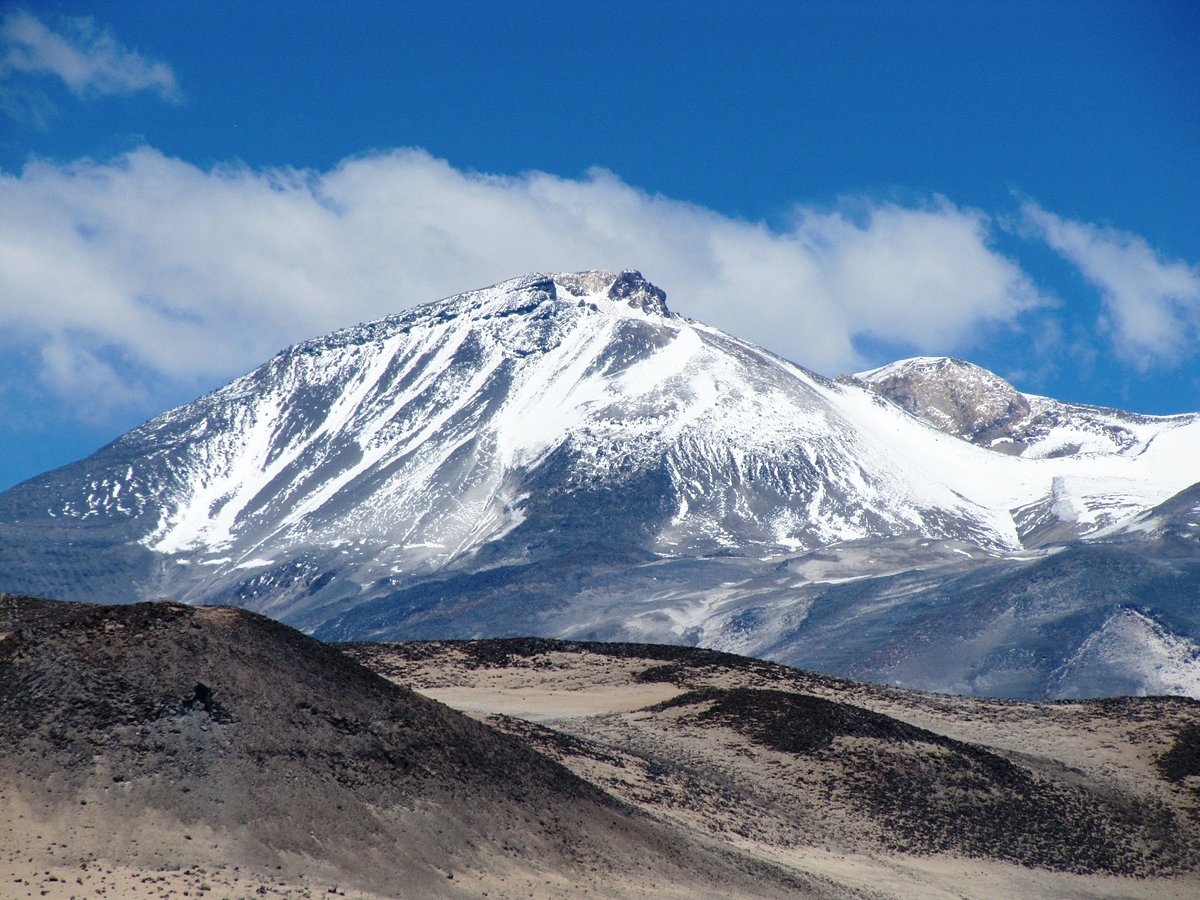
column 159, row 735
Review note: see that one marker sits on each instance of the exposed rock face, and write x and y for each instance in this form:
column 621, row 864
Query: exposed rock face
column 635, row 290
column 969, row 402
column 956, row 397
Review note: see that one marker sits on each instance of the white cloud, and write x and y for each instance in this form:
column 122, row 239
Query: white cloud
column 88, row 59
column 152, row 265
column 1152, row 304
column 77, row 371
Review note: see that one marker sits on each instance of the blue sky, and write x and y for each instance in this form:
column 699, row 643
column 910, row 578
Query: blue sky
column 187, row 188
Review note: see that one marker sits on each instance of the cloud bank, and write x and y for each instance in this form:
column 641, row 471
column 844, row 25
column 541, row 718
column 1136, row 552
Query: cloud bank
column 153, row 265
column 85, row 57
column 1152, row 304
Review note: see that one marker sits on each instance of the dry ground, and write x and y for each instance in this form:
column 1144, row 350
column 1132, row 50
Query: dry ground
column 165, row 750
column 912, row 795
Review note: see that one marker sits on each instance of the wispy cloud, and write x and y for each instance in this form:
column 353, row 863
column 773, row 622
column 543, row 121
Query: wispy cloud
column 1151, row 303
column 150, row 264
column 88, row 59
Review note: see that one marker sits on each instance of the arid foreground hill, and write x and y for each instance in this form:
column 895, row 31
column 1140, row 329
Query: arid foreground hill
column 154, row 749
column 891, row 793
column 158, row 749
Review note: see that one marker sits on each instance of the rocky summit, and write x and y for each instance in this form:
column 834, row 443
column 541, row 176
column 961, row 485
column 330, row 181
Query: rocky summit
column 564, row 455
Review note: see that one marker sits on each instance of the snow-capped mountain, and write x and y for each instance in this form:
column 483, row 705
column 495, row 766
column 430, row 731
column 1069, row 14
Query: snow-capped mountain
column 562, row 454
column 962, row 399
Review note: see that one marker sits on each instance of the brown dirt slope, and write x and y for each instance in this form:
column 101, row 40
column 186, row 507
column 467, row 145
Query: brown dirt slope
column 1098, row 796
column 163, row 736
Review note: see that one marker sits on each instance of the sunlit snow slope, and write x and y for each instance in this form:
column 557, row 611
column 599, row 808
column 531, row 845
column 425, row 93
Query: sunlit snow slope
column 563, row 454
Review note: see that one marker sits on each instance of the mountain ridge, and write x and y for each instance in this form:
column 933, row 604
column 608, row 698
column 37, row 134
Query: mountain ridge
column 572, row 430
column 960, row 398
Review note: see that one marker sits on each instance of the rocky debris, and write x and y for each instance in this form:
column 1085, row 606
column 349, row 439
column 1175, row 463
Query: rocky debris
column 1182, row 761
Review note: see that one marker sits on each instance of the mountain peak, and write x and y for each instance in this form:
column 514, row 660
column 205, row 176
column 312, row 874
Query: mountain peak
column 955, row 396
column 557, row 453
column 969, row 402
column 639, row 293
column 629, row 287
column 941, row 366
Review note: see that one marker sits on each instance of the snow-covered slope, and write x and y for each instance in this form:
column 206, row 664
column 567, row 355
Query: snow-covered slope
column 1117, row 462
column 1135, row 649
column 954, row 396
column 965, row 400
column 505, row 459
